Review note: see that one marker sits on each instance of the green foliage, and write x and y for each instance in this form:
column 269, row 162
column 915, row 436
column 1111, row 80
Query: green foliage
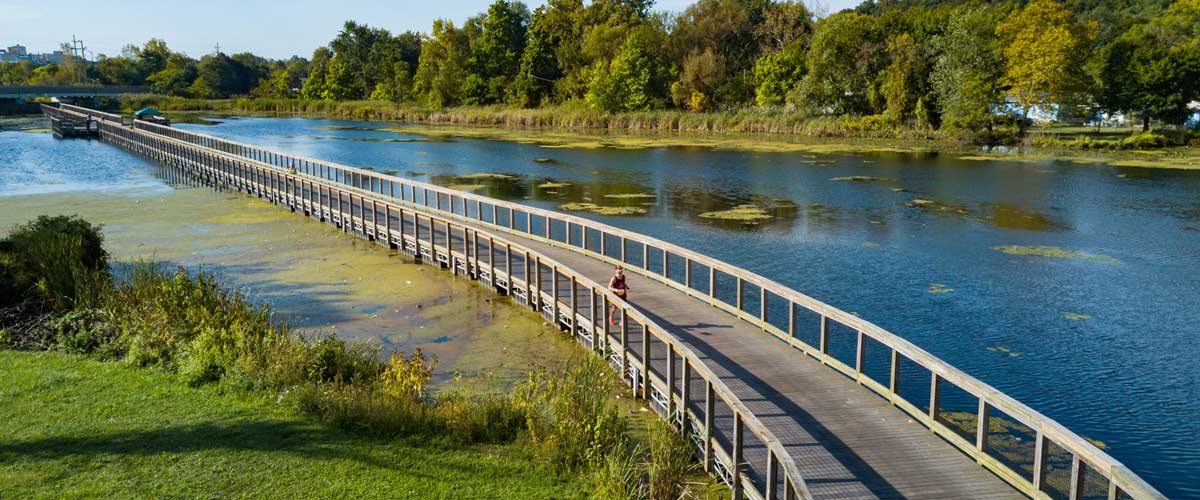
column 965, row 78
column 55, row 261
column 837, row 79
column 442, row 65
column 1044, row 50
column 623, row 84
column 571, row 418
column 670, row 463
column 778, row 73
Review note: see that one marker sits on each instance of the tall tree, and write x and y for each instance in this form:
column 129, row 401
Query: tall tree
column 1044, row 53
column 839, row 67
column 966, row 75
column 442, row 67
column 314, row 85
column 1153, row 69
column 623, row 84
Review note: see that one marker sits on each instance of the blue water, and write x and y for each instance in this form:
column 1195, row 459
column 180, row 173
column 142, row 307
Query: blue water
column 1127, row 375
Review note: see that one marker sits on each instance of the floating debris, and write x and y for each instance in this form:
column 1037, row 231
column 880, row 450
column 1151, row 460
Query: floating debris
column 747, row 213
column 1053, row 252
column 601, row 210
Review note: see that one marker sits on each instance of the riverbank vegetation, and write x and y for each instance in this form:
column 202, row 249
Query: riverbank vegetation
column 919, row 68
column 180, row 343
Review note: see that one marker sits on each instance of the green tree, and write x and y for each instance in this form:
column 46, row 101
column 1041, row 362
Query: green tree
column 495, row 58
column 839, row 72
column 442, row 65
column 967, row 72
column 905, row 79
column 623, row 84
column 1153, row 69
column 339, row 82
column 1044, row 50
column 175, row 78
column 314, row 85
column 778, row 73
column 539, row 66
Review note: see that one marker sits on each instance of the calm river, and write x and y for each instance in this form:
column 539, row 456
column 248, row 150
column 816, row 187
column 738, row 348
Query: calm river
column 1072, row 287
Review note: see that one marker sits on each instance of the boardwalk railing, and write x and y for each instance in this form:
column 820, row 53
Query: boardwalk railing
column 802, row 322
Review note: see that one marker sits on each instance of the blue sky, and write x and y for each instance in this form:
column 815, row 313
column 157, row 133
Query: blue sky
column 265, row 28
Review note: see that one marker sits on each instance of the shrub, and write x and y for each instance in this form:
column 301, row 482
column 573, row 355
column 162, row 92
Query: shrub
column 1144, row 140
column 571, row 419
column 331, row 359
column 670, row 463
column 619, row 476
column 81, row 331
column 59, row 261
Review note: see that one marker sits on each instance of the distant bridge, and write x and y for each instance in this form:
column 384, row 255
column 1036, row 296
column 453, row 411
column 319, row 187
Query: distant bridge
column 783, row 396
column 31, row 91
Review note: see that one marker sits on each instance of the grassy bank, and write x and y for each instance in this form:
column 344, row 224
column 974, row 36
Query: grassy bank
column 59, row 293
column 77, row 427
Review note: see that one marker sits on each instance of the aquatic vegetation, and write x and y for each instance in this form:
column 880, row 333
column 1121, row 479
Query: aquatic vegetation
column 1004, row 350
column 485, row 175
column 601, row 209
column 745, row 213
column 863, row 178
column 390, row 171
column 545, row 160
column 631, row 196
column 937, row 206
column 36, row 131
column 467, row 187
column 939, row 288
column 1075, row 317
column 553, row 185
column 1053, row 252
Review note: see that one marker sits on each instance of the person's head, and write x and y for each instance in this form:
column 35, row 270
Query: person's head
column 618, row 271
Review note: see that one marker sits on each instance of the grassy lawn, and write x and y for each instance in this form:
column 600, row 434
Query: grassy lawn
column 73, row 427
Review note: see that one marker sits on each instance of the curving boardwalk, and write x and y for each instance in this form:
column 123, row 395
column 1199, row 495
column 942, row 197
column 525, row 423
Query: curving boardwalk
column 758, row 376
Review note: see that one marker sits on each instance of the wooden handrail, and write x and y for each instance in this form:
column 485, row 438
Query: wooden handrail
column 1118, row 475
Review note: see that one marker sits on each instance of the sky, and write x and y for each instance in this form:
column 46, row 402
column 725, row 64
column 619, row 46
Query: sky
column 264, row 28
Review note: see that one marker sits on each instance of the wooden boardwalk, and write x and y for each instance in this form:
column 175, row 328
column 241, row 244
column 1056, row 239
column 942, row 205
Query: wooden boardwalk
column 848, row 442
column 771, row 414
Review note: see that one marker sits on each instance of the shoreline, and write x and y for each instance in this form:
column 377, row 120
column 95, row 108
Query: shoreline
column 448, row 125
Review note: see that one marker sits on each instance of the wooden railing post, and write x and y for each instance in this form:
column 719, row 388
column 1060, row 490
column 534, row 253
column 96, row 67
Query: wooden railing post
column 685, row 396
column 670, row 382
column 735, row 469
column 824, row 345
column 1077, row 476
column 772, row 476
column 935, row 396
column 981, row 433
column 709, row 405
column 645, row 362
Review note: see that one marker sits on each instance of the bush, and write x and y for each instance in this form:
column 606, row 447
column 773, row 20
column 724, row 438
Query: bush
column 58, row 261
column 571, row 418
column 1145, row 140
column 670, row 463
column 81, row 331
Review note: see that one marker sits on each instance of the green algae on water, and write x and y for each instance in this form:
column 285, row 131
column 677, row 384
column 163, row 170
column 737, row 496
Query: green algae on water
column 938, row 288
column 1053, row 252
column 485, row 175
column 746, row 213
column 1075, row 317
column 601, row 210
column 863, row 178
column 631, row 196
column 553, row 185
column 467, row 187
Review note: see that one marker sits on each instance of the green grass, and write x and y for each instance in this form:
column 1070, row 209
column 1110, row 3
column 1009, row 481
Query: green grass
column 75, row 427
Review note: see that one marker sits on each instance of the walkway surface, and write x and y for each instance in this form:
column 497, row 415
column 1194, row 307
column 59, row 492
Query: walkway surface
column 847, row 441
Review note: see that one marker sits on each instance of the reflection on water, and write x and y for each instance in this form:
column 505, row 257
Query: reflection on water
column 960, row 256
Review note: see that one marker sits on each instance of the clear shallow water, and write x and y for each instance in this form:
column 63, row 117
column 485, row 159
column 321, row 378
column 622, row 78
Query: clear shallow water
column 1105, row 342
column 1128, row 375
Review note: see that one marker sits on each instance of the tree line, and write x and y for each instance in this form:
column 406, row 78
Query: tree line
column 954, row 65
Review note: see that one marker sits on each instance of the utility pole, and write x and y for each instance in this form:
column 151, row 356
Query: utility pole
column 218, row 51
column 78, row 51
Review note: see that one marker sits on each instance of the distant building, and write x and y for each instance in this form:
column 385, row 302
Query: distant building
column 18, row 53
